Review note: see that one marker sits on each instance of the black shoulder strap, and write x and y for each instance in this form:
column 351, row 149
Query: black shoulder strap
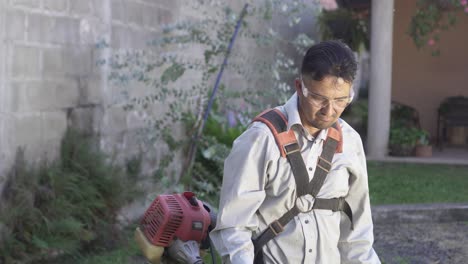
column 289, row 147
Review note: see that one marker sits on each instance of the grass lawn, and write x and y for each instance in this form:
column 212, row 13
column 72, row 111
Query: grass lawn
column 400, row 183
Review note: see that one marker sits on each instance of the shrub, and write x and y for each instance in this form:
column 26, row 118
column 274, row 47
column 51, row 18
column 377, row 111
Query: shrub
column 62, row 207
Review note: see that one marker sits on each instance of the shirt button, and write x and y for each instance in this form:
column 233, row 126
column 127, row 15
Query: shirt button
column 306, row 221
column 311, row 169
column 310, row 250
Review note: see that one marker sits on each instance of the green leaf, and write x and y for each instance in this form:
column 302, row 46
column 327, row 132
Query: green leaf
column 39, row 242
column 209, row 152
column 172, row 73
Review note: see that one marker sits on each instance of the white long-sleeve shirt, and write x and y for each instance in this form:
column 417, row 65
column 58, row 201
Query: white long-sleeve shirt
column 259, row 187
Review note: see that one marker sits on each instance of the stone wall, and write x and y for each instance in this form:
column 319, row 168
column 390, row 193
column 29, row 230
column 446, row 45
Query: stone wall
column 50, row 78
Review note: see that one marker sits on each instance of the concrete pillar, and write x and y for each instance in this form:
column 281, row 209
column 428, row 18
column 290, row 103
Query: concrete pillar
column 381, row 78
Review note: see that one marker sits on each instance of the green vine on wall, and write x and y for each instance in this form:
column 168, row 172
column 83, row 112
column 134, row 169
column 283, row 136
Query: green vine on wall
column 179, row 81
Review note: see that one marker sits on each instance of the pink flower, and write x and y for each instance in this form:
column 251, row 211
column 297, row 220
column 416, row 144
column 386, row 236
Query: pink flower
column 331, row 4
column 463, row 2
column 431, row 42
column 466, row 9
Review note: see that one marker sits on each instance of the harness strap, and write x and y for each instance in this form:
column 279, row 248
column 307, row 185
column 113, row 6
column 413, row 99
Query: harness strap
column 277, row 226
column 323, row 166
column 335, row 204
column 289, row 148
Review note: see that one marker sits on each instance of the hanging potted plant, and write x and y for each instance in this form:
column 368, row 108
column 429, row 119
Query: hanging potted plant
column 352, row 27
column 348, row 25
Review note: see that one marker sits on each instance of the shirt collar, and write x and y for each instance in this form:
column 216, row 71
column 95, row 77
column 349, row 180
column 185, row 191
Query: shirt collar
column 294, row 120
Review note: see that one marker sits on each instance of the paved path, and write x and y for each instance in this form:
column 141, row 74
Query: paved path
column 424, row 243
column 421, row 233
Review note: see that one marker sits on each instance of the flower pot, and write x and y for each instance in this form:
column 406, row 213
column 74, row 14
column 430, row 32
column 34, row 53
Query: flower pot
column 401, row 150
column 423, row 151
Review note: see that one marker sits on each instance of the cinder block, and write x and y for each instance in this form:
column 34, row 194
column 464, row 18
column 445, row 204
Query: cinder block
column 134, row 12
column 39, row 27
column 156, row 17
column 57, row 30
column 85, row 119
column 45, row 95
column 28, row 129
column 27, row 96
column 94, row 93
column 164, row 16
column 40, row 134
column 127, row 38
column 16, row 25
column 77, row 60
column 81, row 7
column 7, row 132
column 54, row 125
column 25, row 61
column 170, row 4
column 117, row 11
column 27, row 3
column 57, row 5
column 114, row 120
column 52, row 59
column 120, row 37
column 100, row 7
column 67, row 31
column 67, row 94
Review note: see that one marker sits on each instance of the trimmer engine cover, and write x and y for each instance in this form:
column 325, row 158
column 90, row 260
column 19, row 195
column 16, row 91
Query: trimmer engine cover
column 172, row 216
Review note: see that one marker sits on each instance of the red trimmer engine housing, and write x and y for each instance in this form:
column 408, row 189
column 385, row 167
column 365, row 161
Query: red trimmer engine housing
column 172, row 216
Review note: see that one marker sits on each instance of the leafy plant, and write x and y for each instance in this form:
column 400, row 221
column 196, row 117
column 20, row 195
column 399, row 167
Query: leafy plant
column 404, row 136
column 346, row 24
column 356, row 115
column 423, row 138
column 432, row 17
column 63, row 207
column 214, row 146
column 405, row 129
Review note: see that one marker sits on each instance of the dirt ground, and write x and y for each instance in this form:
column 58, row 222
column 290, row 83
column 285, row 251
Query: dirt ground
column 424, row 243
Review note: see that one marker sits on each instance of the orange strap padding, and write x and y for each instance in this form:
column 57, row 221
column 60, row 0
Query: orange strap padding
column 286, row 137
column 335, row 133
column 282, row 138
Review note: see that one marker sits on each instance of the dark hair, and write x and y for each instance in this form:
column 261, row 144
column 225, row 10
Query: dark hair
column 330, row 57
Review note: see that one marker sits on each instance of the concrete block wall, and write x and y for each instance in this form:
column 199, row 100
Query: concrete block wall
column 50, row 78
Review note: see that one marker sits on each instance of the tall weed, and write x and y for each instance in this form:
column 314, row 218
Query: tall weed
column 63, row 207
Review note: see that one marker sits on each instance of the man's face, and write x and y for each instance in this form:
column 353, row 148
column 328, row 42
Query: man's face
column 323, row 102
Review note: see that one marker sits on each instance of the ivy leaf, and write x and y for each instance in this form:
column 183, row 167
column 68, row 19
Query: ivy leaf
column 172, row 73
column 39, row 242
column 209, row 152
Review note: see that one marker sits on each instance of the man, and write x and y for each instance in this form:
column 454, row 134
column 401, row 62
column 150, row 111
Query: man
column 259, row 186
